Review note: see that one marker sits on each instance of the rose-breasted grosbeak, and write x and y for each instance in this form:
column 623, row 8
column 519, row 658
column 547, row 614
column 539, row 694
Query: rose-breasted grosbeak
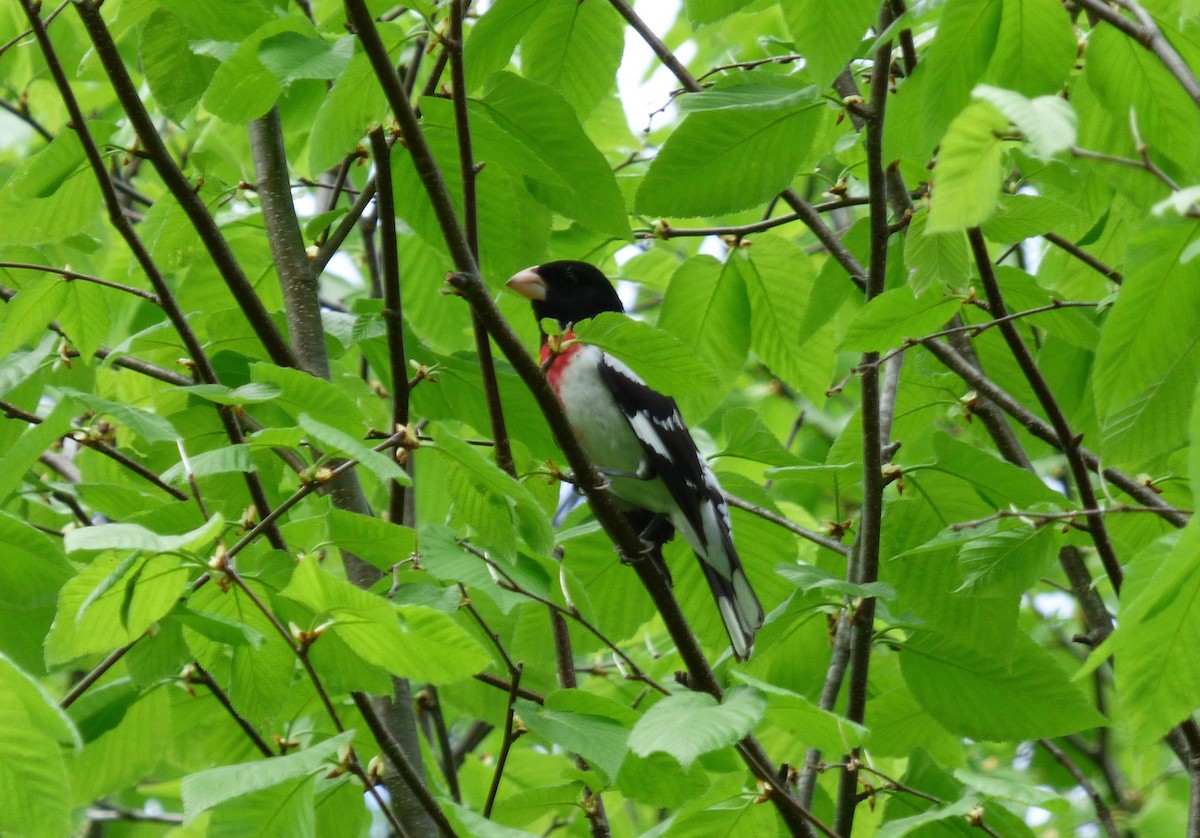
column 637, row 439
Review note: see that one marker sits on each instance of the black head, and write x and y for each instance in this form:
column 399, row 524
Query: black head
column 566, row 291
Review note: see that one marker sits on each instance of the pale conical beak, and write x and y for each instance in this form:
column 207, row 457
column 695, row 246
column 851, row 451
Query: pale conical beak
column 529, row 284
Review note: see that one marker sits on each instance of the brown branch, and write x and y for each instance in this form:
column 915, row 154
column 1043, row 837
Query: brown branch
column 1041, row 429
column 1103, row 813
column 75, row 275
column 779, row 520
column 393, row 318
column 201, row 674
column 1068, row 442
column 864, row 569
column 175, row 181
column 470, row 220
column 1146, row 32
column 505, row 744
column 1083, row 256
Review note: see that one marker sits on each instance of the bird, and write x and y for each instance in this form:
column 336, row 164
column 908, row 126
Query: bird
column 637, row 439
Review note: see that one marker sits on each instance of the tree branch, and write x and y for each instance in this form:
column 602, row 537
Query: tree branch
column 1068, row 442
column 1042, row 430
column 175, row 181
column 865, row 568
column 1146, row 32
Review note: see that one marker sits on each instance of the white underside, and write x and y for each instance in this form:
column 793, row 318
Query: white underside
column 605, row 433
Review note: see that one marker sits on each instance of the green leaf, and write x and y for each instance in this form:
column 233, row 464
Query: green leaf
column 779, row 277
column 471, row 822
column 528, row 517
column 968, row 174
column 494, row 37
column 804, row 720
column 1036, row 48
column 1158, row 634
column 540, row 120
column 149, row 426
column 353, row 104
column 27, row 315
column 575, row 48
column 599, row 740
column 747, row 97
column 748, row 438
column 1022, row 216
column 904, row 826
column 709, row 11
column 333, row 439
column 719, row 162
column 84, row 316
column 410, row 642
column 828, row 32
column 242, row 88
column 382, row 543
column 958, row 685
column 1142, row 372
column 896, row 316
column 1048, row 122
column 935, row 261
column 122, row 613
column 19, row 366
column 122, row 754
column 232, row 458
column 246, row 394
column 304, row 393
column 284, row 809
column 177, row 77
column 291, row 56
column 961, row 50
column 687, row 725
column 30, row 576
column 707, row 309
column 22, row 454
column 664, row 362
column 31, row 760
column 137, row 537
column 1000, row 484
column 809, row 578
column 56, row 204
column 206, row 789
column 1009, row 559
column 1128, row 86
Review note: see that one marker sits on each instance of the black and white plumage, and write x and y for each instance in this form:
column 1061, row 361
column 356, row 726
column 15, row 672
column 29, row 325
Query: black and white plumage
column 637, row 438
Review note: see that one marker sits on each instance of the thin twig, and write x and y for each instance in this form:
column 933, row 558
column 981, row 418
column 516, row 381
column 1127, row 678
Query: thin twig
column 1083, row 256
column 1068, row 442
column 779, row 520
column 1103, row 813
column 202, row 675
column 189, row 200
column 13, row 412
column 70, row 275
column 393, row 317
column 865, row 568
column 1146, row 32
column 1042, row 518
column 1041, row 429
column 86, row 681
column 505, row 745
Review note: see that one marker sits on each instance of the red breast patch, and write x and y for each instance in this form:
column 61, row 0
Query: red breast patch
column 559, row 361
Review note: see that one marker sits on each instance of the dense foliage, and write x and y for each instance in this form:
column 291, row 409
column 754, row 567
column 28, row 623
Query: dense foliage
column 279, row 552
